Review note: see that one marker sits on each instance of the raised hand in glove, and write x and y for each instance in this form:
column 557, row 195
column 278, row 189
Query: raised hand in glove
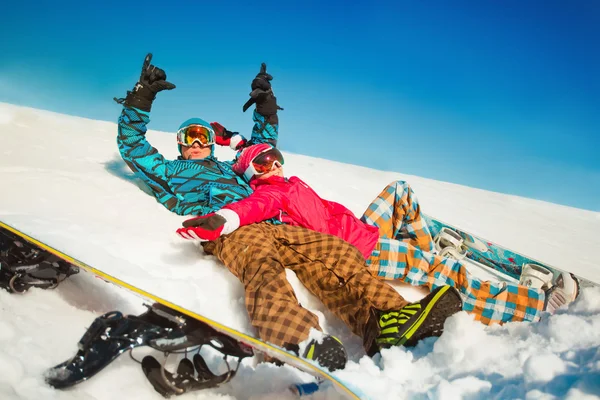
column 262, row 94
column 224, row 137
column 210, row 226
column 152, row 80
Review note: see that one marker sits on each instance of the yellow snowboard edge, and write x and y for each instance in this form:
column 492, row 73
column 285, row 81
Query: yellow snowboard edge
column 266, row 348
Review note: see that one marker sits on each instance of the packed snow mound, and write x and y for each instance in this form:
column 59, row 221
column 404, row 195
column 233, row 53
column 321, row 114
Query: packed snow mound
column 70, row 188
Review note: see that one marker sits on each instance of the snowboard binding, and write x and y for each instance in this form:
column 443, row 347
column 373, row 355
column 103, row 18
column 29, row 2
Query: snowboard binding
column 191, row 374
column 450, row 244
column 23, row 265
column 109, row 336
column 560, row 289
column 159, row 328
column 535, row 276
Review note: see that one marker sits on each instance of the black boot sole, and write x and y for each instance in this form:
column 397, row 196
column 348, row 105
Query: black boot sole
column 330, row 354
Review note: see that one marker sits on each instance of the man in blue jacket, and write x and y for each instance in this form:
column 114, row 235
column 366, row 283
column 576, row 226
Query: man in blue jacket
column 196, row 183
column 332, row 269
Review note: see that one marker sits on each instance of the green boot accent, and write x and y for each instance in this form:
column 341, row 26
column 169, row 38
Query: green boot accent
column 416, row 321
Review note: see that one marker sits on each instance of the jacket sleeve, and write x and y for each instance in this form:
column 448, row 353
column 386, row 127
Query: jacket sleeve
column 265, row 130
column 259, row 206
column 143, row 159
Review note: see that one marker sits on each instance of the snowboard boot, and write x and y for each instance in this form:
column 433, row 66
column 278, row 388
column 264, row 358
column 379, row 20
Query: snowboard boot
column 191, row 374
column 564, row 290
column 329, row 353
column 419, row 320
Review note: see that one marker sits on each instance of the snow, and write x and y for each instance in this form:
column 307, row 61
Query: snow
column 64, row 182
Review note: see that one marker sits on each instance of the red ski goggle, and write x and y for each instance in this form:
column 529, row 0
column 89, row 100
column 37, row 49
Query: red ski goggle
column 263, row 163
column 195, row 133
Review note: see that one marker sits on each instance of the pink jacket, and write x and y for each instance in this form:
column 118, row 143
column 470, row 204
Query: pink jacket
column 295, row 203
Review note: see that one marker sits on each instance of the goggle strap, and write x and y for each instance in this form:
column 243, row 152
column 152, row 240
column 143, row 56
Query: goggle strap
column 250, row 172
column 194, row 141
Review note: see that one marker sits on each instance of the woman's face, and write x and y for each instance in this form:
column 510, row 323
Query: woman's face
column 276, row 171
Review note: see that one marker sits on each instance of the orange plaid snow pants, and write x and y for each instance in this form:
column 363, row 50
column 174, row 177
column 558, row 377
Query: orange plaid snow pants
column 403, row 253
column 330, row 268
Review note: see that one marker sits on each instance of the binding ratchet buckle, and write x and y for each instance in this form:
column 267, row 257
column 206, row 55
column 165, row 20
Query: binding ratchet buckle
column 450, row 244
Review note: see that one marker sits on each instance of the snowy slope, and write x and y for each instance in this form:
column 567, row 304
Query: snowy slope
column 63, row 180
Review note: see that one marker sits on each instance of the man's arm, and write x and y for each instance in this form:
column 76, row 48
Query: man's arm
column 143, row 159
column 265, row 130
column 266, row 122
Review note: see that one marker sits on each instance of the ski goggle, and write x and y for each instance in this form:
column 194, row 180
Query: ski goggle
column 263, row 163
column 195, row 133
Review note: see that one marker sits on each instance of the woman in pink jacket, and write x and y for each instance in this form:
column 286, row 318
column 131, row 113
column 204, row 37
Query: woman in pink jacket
column 391, row 235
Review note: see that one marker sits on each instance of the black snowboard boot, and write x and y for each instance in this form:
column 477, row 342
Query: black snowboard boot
column 328, row 352
column 419, row 320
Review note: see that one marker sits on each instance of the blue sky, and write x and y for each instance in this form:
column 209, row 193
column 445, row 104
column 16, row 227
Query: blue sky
column 499, row 95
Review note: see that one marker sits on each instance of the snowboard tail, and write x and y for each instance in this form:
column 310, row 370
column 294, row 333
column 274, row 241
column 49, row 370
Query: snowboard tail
column 166, row 327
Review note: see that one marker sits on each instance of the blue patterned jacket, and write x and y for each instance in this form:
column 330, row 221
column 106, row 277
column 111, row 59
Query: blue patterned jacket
column 186, row 187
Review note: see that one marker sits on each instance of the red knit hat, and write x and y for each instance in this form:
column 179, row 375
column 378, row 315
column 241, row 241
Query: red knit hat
column 248, row 154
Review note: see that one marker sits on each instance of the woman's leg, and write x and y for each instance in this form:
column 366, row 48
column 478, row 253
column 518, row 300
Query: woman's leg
column 397, row 214
column 490, row 302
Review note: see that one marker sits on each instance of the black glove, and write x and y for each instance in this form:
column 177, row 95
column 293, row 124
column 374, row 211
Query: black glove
column 152, row 80
column 262, row 94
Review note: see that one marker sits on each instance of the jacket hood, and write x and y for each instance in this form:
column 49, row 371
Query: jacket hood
column 195, row 121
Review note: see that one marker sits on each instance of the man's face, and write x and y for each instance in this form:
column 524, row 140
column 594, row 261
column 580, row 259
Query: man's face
column 195, row 151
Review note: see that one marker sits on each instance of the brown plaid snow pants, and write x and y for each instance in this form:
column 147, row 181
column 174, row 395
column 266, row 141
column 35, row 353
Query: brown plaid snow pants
column 330, row 268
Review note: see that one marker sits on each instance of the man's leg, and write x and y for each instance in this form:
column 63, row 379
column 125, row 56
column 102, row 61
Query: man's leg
column 251, row 253
column 334, row 271
column 490, row 302
column 396, row 212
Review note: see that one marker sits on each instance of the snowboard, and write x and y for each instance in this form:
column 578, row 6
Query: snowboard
column 491, row 255
column 166, row 326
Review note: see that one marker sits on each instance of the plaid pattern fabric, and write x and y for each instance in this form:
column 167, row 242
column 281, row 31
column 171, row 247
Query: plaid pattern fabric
column 490, row 302
column 396, row 212
column 329, row 267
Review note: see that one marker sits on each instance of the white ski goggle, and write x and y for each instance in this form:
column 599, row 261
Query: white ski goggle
column 186, row 136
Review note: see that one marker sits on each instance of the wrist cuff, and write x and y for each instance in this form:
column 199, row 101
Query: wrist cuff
column 133, row 100
column 233, row 220
column 235, row 141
